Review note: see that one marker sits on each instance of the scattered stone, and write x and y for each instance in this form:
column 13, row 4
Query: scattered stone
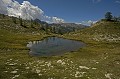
column 15, row 76
column 59, row 61
column 12, row 64
column 27, row 67
column 108, row 75
column 13, row 72
column 38, row 71
column 40, row 74
column 79, row 74
column 84, row 67
column 5, row 71
column 94, row 68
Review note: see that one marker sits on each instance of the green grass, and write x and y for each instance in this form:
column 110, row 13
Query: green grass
column 98, row 60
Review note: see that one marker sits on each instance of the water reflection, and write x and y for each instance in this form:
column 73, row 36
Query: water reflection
column 53, row 46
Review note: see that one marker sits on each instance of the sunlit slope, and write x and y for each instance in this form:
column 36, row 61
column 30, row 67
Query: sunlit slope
column 101, row 31
column 103, row 27
column 14, row 35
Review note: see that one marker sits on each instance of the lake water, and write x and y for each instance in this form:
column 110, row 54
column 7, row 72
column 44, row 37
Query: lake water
column 53, row 46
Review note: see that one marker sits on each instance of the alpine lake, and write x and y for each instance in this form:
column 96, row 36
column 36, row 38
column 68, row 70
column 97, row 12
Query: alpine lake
column 53, row 46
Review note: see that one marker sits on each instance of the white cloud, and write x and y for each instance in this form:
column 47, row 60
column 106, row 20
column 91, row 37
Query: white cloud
column 57, row 20
column 7, row 2
column 26, row 11
column 29, row 11
column 53, row 19
column 14, row 9
column 88, row 23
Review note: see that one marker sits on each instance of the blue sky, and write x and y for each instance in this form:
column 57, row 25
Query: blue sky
column 77, row 10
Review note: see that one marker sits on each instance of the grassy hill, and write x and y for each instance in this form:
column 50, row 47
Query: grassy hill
column 102, row 31
column 100, row 59
column 14, row 35
column 103, row 45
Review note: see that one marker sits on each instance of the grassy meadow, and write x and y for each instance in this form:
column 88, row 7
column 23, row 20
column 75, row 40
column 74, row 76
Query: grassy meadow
column 99, row 59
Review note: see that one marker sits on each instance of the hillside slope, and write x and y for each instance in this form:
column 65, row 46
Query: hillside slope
column 13, row 35
column 103, row 31
column 102, row 45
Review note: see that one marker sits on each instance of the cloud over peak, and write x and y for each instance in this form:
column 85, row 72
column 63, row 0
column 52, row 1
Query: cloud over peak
column 26, row 11
column 88, row 23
